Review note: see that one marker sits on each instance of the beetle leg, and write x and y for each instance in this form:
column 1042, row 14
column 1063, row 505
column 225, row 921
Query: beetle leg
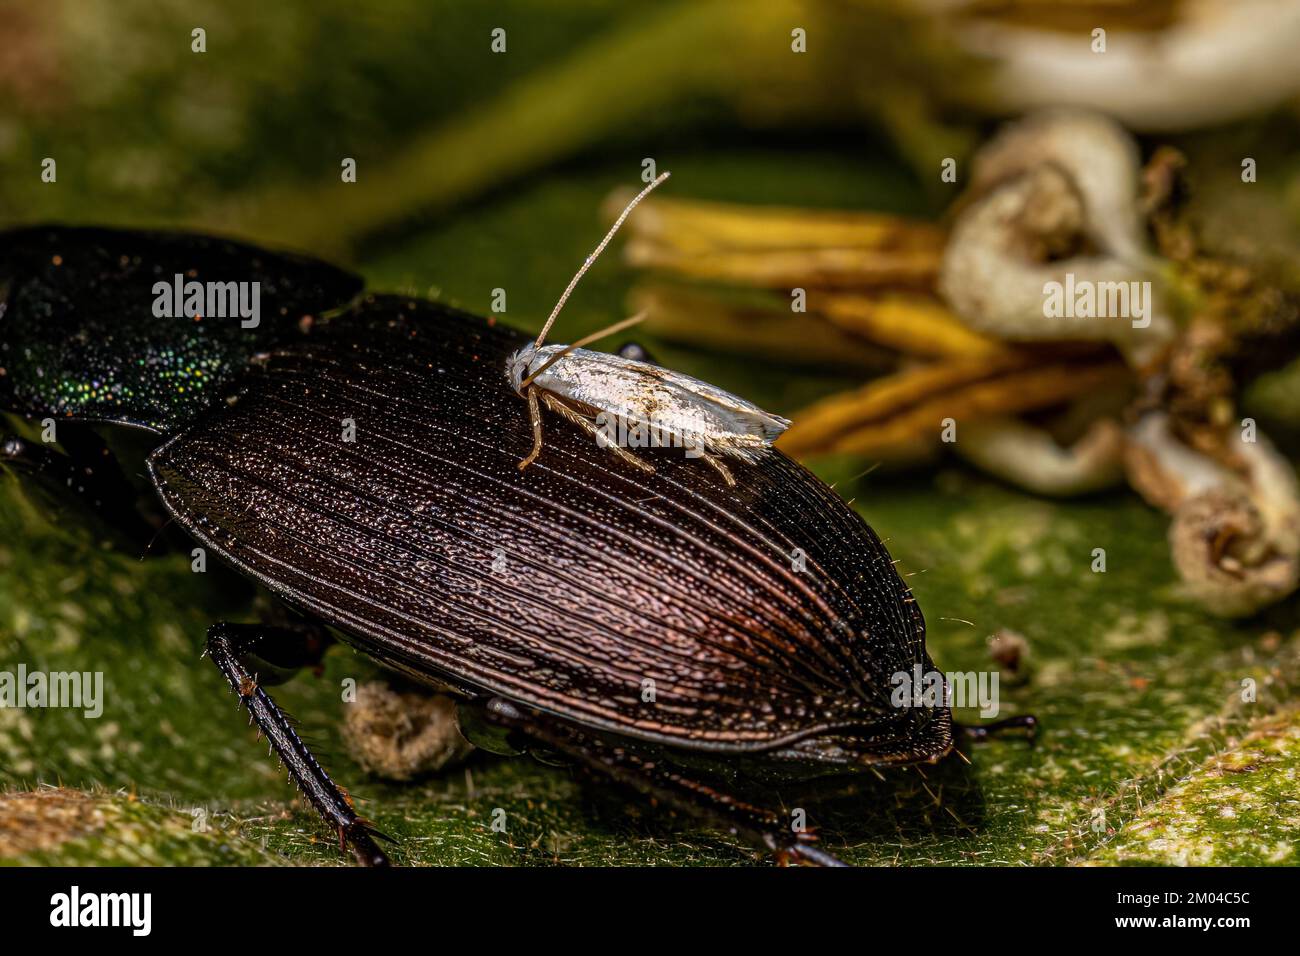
column 570, row 415
column 535, row 416
column 88, row 472
column 228, row 645
column 984, row 731
column 290, row 646
column 620, row 761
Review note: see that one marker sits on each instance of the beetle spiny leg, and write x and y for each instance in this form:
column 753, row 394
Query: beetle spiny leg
column 1027, row 722
column 663, row 783
column 228, row 646
column 810, row 855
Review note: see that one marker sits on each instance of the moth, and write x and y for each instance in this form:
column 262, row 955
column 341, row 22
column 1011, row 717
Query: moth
column 603, row 394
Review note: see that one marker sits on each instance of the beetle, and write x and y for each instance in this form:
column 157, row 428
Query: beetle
column 650, row 626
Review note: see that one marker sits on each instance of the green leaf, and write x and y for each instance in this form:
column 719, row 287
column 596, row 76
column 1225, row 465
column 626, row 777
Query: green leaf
column 1139, row 693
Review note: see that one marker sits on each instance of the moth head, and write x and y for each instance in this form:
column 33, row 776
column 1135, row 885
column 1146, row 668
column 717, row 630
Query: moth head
column 517, row 366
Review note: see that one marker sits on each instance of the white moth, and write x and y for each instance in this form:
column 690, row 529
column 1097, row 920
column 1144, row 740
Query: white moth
column 601, row 393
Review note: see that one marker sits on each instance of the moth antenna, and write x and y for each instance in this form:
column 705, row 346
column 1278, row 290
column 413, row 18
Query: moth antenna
column 627, row 211
column 585, row 340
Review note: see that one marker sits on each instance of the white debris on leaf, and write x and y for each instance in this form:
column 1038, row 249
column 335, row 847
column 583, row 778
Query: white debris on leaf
column 401, row 734
column 1235, row 537
column 1029, row 457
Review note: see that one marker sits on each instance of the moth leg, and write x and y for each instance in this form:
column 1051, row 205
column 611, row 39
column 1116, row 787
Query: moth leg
column 230, row 646
column 569, row 415
column 535, row 416
column 722, row 469
column 759, row 826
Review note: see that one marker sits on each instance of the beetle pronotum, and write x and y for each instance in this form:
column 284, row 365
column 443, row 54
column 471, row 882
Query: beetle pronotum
column 586, row 387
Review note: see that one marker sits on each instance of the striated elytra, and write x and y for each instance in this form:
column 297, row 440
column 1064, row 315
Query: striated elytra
column 653, row 627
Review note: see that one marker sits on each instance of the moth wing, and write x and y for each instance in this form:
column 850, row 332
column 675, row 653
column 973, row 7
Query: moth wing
column 651, row 392
column 742, row 416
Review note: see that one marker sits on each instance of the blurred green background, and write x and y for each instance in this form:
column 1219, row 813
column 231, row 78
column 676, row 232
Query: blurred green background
column 481, row 170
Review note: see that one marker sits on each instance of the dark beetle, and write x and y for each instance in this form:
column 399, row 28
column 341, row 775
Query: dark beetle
column 652, row 627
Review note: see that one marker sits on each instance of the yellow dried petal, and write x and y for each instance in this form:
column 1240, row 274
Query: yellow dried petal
column 911, row 405
column 705, row 321
column 911, row 323
column 839, row 268
column 688, row 224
